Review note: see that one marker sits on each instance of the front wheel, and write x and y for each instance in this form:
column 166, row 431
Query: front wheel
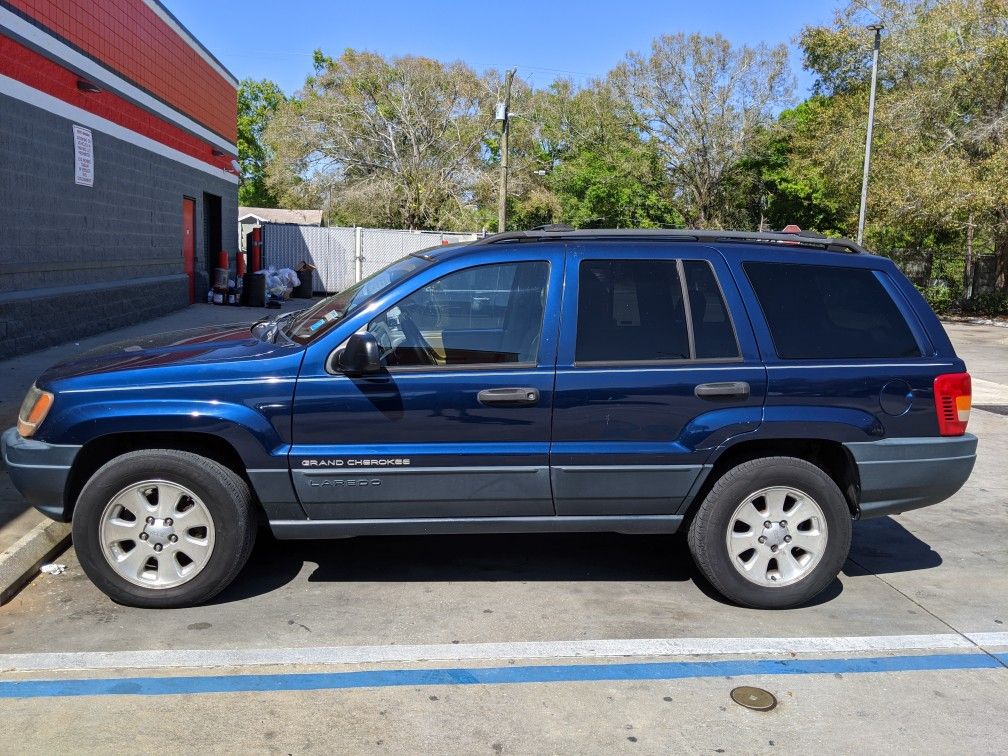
column 772, row 533
column 163, row 528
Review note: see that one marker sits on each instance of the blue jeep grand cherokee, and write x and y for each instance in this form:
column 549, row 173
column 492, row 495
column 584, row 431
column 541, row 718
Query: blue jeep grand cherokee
column 762, row 391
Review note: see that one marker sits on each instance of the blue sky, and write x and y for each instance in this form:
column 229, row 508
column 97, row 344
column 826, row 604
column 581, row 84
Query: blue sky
column 580, row 40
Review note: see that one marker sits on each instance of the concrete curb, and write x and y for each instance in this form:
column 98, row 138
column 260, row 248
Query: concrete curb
column 962, row 319
column 21, row 562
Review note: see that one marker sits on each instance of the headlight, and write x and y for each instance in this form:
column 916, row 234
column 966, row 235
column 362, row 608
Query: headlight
column 34, row 408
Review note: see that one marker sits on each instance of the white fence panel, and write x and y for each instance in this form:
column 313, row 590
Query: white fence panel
column 334, row 251
column 330, row 250
column 381, row 246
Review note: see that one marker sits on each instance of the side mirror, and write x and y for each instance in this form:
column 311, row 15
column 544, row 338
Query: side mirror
column 361, row 355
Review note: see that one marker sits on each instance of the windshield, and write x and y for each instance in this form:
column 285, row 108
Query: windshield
column 320, row 317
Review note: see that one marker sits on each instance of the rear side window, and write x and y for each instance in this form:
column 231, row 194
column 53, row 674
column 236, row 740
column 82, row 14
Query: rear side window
column 825, row 312
column 630, row 310
column 713, row 335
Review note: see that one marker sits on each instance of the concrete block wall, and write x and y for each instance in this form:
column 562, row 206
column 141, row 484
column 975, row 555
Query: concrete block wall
column 27, row 324
column 61, row 244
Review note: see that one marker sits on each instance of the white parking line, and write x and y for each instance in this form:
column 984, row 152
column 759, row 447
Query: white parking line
column 457, row 652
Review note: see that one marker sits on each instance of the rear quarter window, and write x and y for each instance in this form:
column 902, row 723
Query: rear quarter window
column 828, row 312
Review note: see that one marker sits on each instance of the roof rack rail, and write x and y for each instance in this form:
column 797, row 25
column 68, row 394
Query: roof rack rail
column 558, row 231
column 553, row 227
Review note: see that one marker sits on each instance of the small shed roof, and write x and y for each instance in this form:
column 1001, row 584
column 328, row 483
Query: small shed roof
column 280, row 215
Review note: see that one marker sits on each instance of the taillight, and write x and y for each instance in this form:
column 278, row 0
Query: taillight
column 953, row 396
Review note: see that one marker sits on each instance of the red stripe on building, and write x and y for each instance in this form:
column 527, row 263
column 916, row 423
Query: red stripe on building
column 130, row 38
column 29, row 67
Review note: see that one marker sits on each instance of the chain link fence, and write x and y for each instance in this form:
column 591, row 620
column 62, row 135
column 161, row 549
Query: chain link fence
column 949, row 285
column 343, row 255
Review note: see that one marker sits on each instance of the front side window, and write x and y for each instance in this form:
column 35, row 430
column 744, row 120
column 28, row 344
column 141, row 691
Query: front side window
column 629, row 311
column 826, row 312
column 487, row 315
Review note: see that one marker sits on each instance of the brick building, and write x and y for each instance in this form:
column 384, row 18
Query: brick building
column 117, row 189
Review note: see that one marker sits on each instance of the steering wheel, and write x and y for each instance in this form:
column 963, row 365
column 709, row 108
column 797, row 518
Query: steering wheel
column 421, row 350
column 383, row 336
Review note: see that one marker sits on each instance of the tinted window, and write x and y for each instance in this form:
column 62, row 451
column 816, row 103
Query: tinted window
column 630, row 310
column 485, row 315
column 713, row 335
column 821, row 312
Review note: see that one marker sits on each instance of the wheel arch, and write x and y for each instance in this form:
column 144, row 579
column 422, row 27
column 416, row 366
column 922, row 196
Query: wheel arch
column 98, row 451
column 830, row 456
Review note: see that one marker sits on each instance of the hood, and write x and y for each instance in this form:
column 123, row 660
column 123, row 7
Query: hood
column 192, row 347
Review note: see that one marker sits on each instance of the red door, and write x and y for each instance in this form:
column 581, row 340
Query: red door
column 189, row 244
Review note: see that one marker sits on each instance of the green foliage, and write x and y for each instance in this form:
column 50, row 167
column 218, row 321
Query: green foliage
column 594, row 193
column 382, row 142
column 257, row 102
column 939, row 298
column 702, row 101
column 940, row 152
column 796, row 191
column 989, row 303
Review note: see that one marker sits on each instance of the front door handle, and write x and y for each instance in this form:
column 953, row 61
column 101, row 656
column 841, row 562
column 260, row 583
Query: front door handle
column 508, row 397
column 723, row 390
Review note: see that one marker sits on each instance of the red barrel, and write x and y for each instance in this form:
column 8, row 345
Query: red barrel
column 239, row 265
column 222, row 259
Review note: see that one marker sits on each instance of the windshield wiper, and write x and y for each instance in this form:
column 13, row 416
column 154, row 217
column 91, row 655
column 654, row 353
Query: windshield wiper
column 268, row 328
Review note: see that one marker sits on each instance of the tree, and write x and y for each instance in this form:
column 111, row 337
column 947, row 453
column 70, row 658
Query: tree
column 703, row 101
column 784, row 188
column 939, row 158
column 388, row 142
column 257, row 102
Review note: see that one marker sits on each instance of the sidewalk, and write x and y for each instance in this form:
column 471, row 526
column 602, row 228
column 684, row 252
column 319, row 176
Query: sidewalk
column 17, row 374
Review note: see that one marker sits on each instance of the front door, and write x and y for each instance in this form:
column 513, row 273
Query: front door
column 653, row 372
column 457, row 424
column 189, row 244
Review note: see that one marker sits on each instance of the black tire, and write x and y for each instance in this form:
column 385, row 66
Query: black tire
column 224, row 493
column 708, row 530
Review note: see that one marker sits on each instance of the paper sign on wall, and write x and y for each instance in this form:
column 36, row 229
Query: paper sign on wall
column 83, row 156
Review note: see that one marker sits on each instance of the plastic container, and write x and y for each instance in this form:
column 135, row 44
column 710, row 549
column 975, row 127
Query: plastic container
column 304, row 288
column 254, row 290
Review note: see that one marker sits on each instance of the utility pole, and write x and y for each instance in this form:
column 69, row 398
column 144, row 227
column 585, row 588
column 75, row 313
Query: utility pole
column 503, row 115
column 877, row 28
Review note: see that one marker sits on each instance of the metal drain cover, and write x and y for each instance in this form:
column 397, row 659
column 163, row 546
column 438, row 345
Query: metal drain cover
column 753, row 698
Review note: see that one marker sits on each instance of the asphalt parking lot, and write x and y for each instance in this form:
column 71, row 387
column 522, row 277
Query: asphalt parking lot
column 546, row 643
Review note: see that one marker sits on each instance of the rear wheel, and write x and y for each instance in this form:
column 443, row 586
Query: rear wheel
column 163, row 528
column 772, row 533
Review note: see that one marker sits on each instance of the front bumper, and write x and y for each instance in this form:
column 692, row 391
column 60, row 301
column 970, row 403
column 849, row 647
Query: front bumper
column 898, row 474
column 39, row 471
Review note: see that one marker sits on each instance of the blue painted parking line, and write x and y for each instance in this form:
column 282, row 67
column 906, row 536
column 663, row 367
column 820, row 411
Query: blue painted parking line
column 159, row 686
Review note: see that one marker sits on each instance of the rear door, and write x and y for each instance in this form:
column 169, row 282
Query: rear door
column 656, row 366
column 838, row 342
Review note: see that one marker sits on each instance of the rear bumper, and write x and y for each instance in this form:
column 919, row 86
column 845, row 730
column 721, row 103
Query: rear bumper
column 898, row 474
column 39, row 471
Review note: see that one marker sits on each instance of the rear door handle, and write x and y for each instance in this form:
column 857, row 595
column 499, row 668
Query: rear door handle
column 508, row 397
column 723, row 390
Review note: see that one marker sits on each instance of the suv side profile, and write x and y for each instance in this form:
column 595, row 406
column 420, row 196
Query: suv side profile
column 762, row 391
